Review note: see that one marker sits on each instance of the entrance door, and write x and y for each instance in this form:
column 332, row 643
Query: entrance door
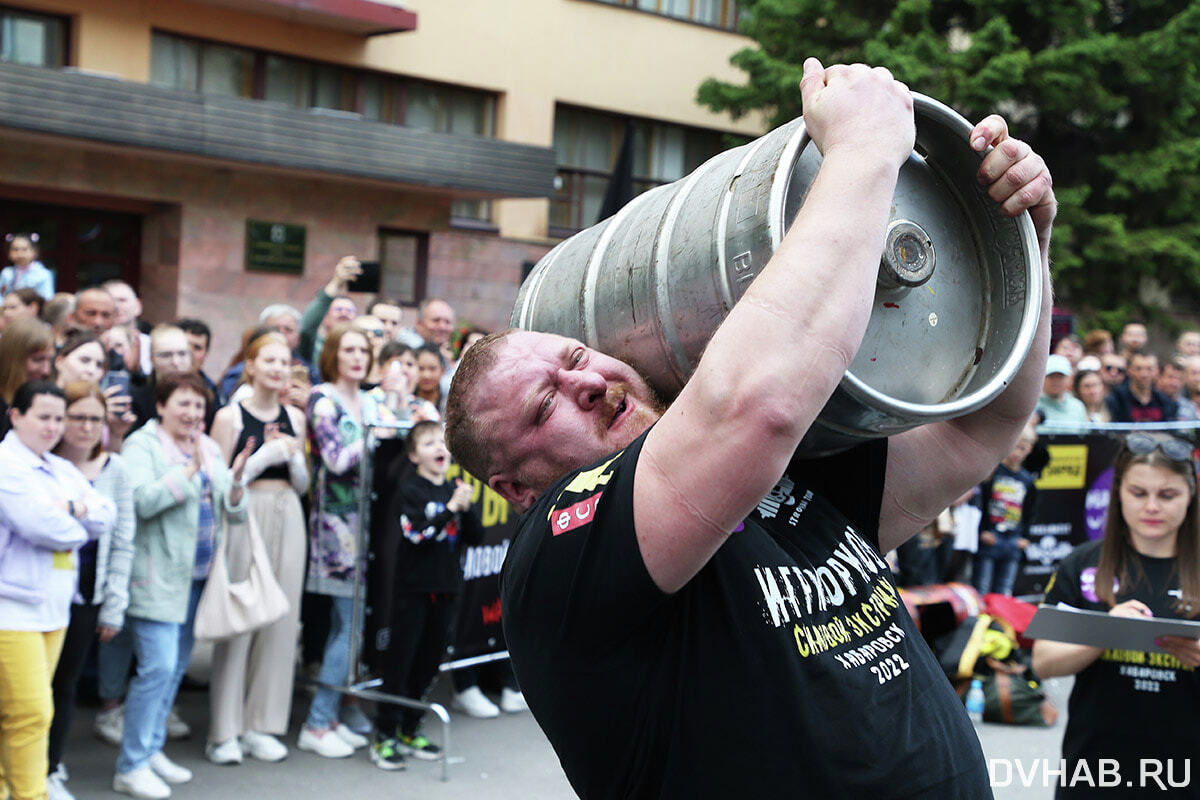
column 83, row 246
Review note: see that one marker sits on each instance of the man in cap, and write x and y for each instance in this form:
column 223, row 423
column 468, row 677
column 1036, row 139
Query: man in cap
column 1057, row 405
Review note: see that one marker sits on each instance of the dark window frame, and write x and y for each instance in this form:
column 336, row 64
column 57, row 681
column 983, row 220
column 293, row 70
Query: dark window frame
column 398, row 83
column 421, row 278
column 573, row 178
column 64, row 45
column 726, row 13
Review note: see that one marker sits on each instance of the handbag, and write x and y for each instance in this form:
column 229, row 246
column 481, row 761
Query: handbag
column 230, row 608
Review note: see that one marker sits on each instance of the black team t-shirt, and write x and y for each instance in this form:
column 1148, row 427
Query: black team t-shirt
column 1129, row 705
column 787, row 667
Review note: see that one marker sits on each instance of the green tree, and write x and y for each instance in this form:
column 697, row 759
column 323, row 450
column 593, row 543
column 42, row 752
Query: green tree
column 1106, row 90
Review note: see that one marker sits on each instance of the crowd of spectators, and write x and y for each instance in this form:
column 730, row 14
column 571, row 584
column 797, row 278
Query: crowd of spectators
column 127, row 464
column 127, row 467
column 1090, row 381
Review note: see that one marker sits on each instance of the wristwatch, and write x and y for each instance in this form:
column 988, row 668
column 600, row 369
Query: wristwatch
column 71, row 507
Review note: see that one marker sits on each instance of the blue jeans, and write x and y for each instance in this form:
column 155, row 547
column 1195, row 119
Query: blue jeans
column 996, row 574
column 163, row 651
column 334, row 665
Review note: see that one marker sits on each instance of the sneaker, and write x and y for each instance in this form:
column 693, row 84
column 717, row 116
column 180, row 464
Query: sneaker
column 263, row 746
column 353, row 718
column 227, row 752
column 56, row 788
column 475, row 703
column 385, row 753
column 512, row 701
column 324, row 743
column 142, row 784
column 350, row 737
column 419, row 747
column 176, row 727
column 110, row 725
column 168, row 770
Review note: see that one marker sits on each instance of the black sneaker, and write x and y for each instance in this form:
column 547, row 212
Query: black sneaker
column 419, row 747
column 386, row 753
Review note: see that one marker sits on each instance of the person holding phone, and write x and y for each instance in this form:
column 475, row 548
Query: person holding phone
column 251, row 691
column 1125, row 705
column 330, row 306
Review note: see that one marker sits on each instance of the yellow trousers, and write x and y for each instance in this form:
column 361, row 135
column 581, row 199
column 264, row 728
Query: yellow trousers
column 27, row 662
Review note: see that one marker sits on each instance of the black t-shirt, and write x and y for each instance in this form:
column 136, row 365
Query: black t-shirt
column 788, row 666
column 429, row 537
column 1129, row 705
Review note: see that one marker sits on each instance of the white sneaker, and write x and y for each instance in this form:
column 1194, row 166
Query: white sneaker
column 350, row 737
column 512, row 701
column 142, row 784
column 227, row 752
column 110, row 725
column 56, row 789
column 168, row 770
column 475, row 703
column 353, row 718
column 263, row 746
column 176, row 727
column 324, row 743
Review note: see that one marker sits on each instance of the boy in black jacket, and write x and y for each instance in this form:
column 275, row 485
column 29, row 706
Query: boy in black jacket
column 433, row 523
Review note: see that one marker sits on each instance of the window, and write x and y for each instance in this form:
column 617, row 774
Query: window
column 717, row 13
column 179, row 62
column 587, row 144
column 403, row 265
column 38, row 40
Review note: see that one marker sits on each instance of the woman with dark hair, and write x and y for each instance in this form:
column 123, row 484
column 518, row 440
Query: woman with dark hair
column 26, row 354
column 47, row 511
column 104, row 563
column 339, row 413
column 1125, row 705
column 1091, row 390
column 431, row 366
column 182, row 492
column 81, row 358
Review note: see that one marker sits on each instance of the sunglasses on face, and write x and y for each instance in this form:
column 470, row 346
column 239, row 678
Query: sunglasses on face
column 1142, row 444
column 1118, row 370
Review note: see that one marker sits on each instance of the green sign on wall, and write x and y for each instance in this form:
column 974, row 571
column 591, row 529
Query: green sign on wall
column 274, row 247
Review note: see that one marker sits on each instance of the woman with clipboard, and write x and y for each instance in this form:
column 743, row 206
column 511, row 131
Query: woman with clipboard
column 1138, row 709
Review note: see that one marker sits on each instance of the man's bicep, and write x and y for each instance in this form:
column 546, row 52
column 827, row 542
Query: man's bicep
column 927, row 468
column 691, row 489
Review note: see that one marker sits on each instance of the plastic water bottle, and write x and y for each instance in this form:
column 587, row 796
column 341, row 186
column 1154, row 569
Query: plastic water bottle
column 975, row 702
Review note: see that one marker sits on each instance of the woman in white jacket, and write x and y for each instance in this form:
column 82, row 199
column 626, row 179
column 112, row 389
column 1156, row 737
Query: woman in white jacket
column 47, row 511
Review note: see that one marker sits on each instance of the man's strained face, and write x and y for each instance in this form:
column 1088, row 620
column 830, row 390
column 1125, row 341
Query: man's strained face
column 554, row 405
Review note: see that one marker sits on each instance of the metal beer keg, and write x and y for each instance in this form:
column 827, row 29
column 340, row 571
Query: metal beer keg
column 956, row 304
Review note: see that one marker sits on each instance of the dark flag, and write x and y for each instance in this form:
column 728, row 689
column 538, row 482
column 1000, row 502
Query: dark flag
column 620, row 185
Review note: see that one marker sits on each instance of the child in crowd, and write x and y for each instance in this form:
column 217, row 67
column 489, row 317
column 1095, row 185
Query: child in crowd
column 1008, row 498
column 434, row 526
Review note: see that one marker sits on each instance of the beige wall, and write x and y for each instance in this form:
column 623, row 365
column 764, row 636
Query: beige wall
column 533, row 53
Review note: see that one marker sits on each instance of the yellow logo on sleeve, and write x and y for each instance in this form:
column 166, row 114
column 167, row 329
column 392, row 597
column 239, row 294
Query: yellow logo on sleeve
column 588, row 480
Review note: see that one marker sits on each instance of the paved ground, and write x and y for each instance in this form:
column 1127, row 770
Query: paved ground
column 503, row 758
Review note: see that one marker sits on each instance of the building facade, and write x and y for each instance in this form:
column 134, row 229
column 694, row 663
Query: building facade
column 221, row 155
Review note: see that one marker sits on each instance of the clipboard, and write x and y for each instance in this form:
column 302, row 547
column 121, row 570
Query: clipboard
column 1065, row 623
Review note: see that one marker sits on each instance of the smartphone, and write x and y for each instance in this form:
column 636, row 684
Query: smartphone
column 367, row 280
column 115, row 377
